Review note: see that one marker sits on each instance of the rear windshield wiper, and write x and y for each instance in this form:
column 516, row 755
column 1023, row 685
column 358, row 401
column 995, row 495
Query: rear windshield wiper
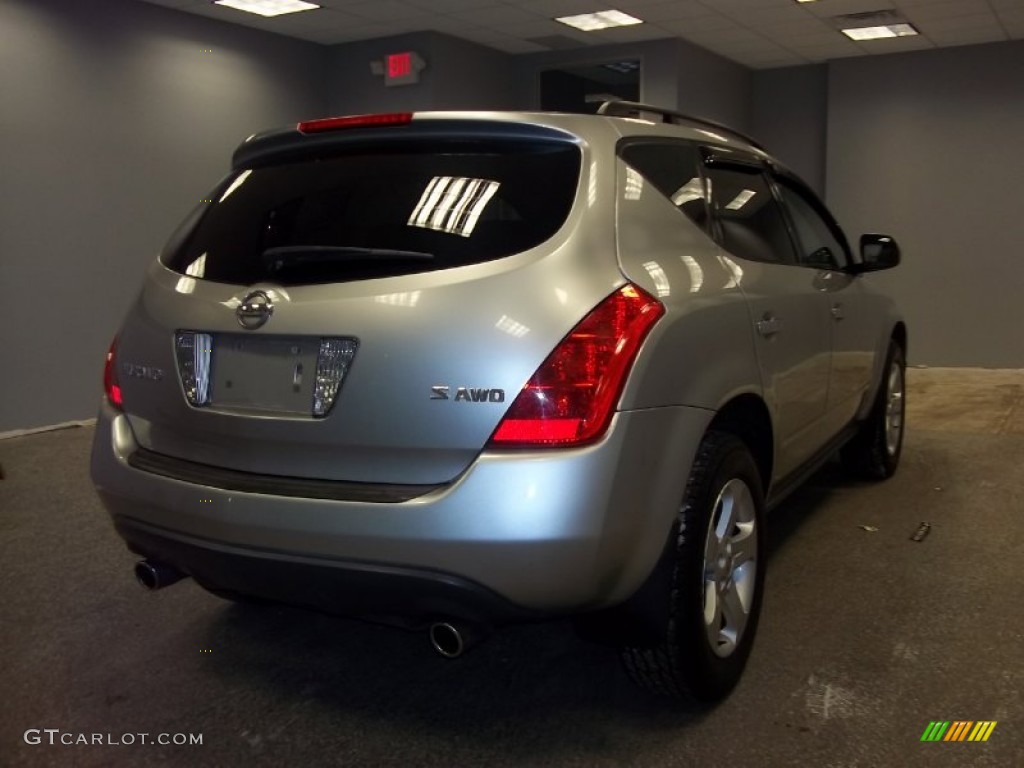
column 289, row 255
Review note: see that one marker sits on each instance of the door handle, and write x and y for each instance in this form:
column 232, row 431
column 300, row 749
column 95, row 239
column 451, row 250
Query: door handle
column 837, row 311
column 768, row 325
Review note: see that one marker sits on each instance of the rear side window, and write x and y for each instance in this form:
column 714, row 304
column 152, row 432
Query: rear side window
column 751, row 222
column 672, row 169
column 379, row 213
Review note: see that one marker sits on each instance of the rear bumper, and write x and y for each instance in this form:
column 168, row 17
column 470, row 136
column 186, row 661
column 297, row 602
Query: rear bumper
column 518, row 534
column 369, row 590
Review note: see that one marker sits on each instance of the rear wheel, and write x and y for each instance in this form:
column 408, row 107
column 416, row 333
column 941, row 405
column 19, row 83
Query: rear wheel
column 874, row 453
column 717, row 581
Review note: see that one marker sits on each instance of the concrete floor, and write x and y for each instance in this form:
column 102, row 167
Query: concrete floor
column 866, row 636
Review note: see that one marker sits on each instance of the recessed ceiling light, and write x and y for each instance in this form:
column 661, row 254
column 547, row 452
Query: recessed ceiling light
column 268, row 7
column 589, row 22
column 877, row 33
column 623, row 67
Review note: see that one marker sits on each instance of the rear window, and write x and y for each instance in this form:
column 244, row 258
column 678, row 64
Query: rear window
column 378, row 213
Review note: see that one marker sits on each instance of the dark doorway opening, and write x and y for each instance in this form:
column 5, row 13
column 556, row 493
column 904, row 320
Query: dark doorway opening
column 583, row 88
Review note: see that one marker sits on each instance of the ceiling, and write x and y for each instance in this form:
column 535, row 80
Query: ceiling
column 757, row 33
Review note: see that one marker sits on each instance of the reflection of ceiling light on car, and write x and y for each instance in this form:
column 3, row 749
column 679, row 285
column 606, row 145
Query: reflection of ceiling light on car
column 696, row 272
column 711, row 134
column 740, row 200
column 661, row 283
column 634, row 184
column 197, row 268
column 267, row 7
column 235, row 185
column 690, row 191
column 404, row 299
column 590, row 22
column 511, row 327
column 877, row 33
column 452, row 204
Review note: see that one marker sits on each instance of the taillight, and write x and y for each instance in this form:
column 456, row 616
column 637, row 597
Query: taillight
column 354, row 121
column 111, row 386
column 570, row 399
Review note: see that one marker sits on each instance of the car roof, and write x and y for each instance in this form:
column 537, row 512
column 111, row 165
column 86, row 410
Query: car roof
column 615, row 120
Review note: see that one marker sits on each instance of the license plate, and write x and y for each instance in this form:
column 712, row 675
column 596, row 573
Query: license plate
column 268, row 373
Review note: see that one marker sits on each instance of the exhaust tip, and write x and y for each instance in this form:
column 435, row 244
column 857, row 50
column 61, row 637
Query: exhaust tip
column 153, row 575
column 447, row 640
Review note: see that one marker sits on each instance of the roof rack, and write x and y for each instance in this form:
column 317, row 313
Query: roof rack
column 634, row 109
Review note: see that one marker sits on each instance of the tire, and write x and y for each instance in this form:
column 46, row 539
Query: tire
column 874, row 452
column 698, row 660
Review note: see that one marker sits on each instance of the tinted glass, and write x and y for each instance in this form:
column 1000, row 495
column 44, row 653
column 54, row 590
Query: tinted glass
column 819, row 245
column 751, row 221
column 672, row 169
column 379, row 213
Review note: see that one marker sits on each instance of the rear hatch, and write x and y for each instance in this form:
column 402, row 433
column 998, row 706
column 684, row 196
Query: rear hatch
column 362, row 303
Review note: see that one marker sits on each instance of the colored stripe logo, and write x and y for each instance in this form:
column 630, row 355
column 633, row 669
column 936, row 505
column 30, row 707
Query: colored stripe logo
column 958, row 730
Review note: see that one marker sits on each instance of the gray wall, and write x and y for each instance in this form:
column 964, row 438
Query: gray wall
column 789, row 113
column 113, row 122
column 927, row 146
column 459, row 75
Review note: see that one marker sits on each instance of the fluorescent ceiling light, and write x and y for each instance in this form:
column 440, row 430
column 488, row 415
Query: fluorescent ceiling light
column 268, row 7
column 877, row 33
column 625, row 67
column 589, row 22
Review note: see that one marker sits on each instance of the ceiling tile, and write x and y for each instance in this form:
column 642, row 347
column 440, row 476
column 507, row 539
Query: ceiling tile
column 797, row 30
column 731, row 5
column 537, row 28
column 448, row 24
column 701, row 25
column 686, row 9
column 756, row 17
column 450, row 6
column 362, row 32
column 832, row 8
column 551, row 9
column 757, row 33
column 976, row 21
column 946, row 9
column 967, row 36
column 386, row 10
column 496, row 16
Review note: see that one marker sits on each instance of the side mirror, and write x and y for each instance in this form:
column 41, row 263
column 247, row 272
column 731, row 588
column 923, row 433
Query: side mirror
column 876, row 252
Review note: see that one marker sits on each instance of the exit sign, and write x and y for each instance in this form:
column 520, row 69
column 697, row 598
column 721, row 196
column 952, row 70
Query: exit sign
column 400, row 68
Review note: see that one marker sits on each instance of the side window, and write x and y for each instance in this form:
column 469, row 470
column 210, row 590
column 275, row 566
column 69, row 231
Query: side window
column 750, row 220
column 672, row 169
column 819, row 245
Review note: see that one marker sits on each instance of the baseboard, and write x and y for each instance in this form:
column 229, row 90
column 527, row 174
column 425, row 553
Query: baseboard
column 50, row 428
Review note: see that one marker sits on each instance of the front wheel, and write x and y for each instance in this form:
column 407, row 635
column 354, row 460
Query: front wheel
column 874, row 452
column 717, row 581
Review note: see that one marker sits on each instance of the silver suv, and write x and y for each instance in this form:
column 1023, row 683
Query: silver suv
column 454, row 370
